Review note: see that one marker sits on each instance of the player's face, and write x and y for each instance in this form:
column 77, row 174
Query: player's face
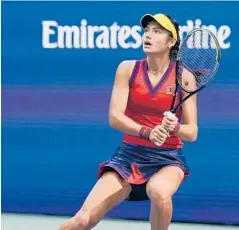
column 156, row 40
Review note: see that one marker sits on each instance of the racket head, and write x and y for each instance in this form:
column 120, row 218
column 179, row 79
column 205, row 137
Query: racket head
column 198, row 59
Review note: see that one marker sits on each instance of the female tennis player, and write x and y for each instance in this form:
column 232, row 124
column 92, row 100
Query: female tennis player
column 149, row 163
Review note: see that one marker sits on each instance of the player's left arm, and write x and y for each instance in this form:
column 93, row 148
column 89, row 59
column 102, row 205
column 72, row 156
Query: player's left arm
column 187, row 131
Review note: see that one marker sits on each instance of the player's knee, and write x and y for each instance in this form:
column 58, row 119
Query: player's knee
column 158, row 195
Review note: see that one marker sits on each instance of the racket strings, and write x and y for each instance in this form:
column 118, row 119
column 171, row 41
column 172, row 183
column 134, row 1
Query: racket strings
column 198, row 55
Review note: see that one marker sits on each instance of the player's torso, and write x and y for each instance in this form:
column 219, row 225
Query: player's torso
column 146, row 103
column 147, row 100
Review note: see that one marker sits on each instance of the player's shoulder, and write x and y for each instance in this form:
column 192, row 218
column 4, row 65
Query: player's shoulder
column 126, row 67
column 186, row 73
column 127, row 64
column 188, row 80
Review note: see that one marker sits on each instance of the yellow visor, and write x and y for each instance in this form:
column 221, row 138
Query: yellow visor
column 161, row 19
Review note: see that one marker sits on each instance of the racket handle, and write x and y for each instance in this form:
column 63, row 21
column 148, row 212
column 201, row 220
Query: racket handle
column 173, row 111
column 158, row 144
column 169, row 114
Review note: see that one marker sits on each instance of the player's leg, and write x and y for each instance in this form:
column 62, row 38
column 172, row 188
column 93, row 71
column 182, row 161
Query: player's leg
column 110, row 190
column 160, row 190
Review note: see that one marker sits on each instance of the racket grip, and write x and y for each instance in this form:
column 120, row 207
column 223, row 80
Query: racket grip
column 167, row 113
column 158, row 144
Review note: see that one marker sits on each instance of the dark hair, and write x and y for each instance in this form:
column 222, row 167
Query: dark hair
column 174, row 50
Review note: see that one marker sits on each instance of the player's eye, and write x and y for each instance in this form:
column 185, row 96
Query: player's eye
column 157, row 31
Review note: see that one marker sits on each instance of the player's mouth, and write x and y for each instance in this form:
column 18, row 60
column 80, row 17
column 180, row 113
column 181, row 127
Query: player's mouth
column 147, row 44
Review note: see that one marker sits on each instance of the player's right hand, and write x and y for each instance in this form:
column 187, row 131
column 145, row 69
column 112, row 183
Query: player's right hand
column 158, row 135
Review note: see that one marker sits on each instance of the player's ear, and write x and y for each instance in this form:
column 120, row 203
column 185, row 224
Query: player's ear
column 171, row 43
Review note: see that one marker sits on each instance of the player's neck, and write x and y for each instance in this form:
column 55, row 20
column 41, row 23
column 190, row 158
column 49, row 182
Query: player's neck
column 158, row 64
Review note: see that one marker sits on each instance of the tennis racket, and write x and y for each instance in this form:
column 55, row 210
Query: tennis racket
column 196, row 64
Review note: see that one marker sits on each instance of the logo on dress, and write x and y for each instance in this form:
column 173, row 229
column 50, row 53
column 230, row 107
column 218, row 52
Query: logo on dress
column 169, row 90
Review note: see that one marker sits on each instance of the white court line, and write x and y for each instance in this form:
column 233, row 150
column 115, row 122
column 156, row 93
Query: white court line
column 41, row 222
column 118, row 1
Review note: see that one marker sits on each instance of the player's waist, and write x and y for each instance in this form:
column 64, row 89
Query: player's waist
column 171, row 142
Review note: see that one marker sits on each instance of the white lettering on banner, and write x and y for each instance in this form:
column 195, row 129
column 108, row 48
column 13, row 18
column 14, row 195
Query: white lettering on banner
column 112, row 37
column 46, row 32
column 222, row 34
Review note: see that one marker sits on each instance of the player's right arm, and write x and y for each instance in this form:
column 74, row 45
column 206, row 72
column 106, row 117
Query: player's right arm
column 119, row 99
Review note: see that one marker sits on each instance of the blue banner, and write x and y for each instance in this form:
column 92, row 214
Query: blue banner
column 58, row 66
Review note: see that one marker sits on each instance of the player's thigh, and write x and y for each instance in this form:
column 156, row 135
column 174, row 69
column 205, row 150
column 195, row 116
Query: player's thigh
column 109, row 190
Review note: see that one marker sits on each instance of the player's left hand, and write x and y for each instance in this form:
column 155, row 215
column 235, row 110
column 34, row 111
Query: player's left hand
column 169, row 122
